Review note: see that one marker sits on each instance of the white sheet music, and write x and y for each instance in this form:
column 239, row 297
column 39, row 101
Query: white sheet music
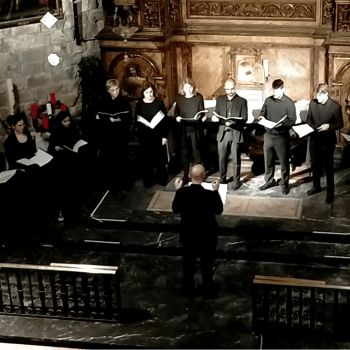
column 303, row 129
column 209, row 186
column 6, row 175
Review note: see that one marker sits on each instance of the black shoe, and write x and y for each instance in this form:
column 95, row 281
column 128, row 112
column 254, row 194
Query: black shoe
column 235, row 186
column 267, row 185
column 285, row 189
column 223, row 181
column 313, row 190
column 330, row 198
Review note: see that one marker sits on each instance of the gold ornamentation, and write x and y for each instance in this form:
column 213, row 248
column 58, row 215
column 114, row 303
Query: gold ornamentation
column 151, row 14
column 282, row 10
column 327, row 13
column 343, row 18
column 174, row 10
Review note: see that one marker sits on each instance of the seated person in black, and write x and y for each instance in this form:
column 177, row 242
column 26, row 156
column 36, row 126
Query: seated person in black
column 64, row 133
column 69, row 164
column 152, row 140
column 33, row 185
column 19, row 143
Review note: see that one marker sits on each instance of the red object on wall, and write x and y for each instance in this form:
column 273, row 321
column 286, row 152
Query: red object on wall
column 45, row 122
column 53, row 98
column 34, row 110
column 63, row 108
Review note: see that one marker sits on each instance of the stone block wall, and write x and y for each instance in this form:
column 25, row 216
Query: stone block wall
column 23, row 58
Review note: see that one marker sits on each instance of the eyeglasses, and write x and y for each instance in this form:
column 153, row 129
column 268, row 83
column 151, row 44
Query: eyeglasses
column 231, row 89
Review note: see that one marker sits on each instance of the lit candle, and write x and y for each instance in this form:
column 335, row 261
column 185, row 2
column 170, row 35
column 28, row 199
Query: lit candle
column 53, row 98
column 34, row 110
column 45, row 122
column 266, row 67
column 48, row 108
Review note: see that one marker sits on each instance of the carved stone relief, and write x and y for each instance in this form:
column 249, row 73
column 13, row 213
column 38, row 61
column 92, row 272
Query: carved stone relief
column 151, row 14
column 276, row 10
column 343, row 18
column 174, row 10
column 327, row 12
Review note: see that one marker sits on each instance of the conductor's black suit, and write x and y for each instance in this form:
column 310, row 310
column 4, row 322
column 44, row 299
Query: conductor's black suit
column 198, row 231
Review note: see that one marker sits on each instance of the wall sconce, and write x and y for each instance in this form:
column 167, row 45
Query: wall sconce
column 125, row 32
column 265, row 64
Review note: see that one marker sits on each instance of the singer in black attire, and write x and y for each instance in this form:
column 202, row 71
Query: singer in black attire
column 324, row 116
column 187, row 105
column 277, row 139
column 153, row 141
column 115, row 131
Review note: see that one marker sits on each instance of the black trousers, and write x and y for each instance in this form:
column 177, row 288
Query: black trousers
column 322, row 154
column 190, row 255
column 154, row 159
column 190, row 150
column 276, row 145
column 226, row 147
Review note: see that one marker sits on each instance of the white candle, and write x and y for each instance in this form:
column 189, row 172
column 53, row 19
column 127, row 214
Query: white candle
column 10, row 95
column 48, row 109
column 266, row 67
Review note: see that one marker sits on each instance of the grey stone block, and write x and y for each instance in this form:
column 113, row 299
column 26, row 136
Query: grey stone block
column 61, row 73
column 38, row 81
column 4, row 33
column 27, row 29
column 39, row 39
column 12, row 43
column 27, row 96
column 32, row 69
column 58, row 37
column 36, row 55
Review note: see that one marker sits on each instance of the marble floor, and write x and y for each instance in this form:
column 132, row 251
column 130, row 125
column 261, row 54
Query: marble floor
column 313, row 246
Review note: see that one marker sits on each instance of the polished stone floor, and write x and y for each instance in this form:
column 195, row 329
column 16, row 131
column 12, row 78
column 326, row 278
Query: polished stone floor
column 145, row 244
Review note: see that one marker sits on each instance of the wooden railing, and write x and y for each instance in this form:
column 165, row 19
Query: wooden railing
column 291, row 304
column 88, row 292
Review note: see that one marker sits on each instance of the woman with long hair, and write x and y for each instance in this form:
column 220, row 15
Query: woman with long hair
column 153, row 131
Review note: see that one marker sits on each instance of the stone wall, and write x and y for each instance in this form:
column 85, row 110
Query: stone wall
column 23, row 57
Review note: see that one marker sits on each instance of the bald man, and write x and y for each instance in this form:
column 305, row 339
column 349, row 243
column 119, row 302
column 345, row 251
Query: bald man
column 230, row 132
column 198, row 230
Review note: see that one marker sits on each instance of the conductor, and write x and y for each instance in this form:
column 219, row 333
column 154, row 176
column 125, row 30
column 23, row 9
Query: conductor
column 198, row 230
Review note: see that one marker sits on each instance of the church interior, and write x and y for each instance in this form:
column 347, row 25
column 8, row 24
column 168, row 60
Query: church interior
column 106, row 273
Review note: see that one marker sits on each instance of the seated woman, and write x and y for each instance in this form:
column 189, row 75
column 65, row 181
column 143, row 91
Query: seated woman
column 69, row 163
column 153, row 136
column 19, row 143
column 30, row 187
column 64, row 133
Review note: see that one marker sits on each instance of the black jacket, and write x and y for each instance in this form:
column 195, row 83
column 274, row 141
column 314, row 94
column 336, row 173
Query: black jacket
column 329, row 113
column 239, row 109
column 198, row 208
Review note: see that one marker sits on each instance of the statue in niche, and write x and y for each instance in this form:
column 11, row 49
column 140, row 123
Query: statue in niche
column 132, row 82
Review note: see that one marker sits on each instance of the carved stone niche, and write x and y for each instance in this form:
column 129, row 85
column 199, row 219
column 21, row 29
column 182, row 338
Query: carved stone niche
column 134, row 69
column 342, row 20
